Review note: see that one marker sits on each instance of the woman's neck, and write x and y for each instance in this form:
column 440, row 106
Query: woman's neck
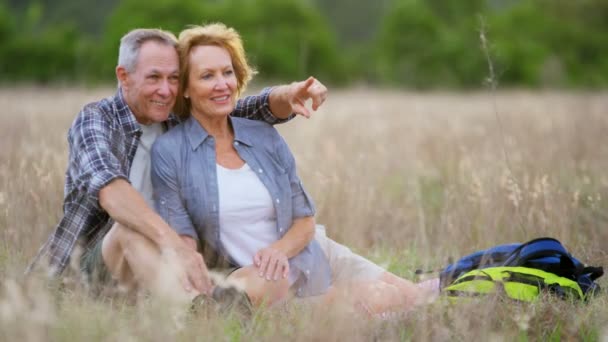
column 218, row 127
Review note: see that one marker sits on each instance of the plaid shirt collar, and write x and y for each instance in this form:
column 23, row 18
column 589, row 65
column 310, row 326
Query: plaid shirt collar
column 124, row 115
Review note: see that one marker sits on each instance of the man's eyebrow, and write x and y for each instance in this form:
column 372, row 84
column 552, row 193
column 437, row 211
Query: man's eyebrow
column 157, row 71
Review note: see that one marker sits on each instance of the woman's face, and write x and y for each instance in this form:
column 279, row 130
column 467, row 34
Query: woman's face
column 211, row 81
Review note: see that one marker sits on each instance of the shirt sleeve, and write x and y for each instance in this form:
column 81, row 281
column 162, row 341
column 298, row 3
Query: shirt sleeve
column 303, row 205
column 167, row 199
column 258, row 108
column 93, row 161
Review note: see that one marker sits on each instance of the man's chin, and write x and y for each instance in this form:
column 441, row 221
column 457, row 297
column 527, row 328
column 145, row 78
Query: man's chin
column 160, row 117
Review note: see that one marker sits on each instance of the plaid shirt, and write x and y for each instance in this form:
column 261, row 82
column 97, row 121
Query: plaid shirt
column 102, row 143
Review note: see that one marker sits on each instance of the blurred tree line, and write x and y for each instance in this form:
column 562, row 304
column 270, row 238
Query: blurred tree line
column 410, row 43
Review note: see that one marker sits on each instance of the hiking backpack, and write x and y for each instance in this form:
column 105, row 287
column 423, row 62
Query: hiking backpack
column 522, row 272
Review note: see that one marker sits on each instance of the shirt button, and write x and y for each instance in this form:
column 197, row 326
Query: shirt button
column 278, row 201
column 280, row 230
column 260, row 170
column 236, row 143
column 307, row 272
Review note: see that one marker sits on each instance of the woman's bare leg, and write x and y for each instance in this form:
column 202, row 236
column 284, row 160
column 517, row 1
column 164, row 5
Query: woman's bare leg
column 259, row 290
column 415, row 293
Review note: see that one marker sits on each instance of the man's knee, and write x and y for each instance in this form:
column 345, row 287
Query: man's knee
column 117, row 247
column 111, row 247
column 120, row 241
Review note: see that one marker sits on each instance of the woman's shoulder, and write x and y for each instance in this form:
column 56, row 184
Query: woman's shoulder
column 252, row 124
column 255, row 128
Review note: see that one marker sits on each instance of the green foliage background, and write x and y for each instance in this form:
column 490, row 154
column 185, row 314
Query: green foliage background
column 409, row 43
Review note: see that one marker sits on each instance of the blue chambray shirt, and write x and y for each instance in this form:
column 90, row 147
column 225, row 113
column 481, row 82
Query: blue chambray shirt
column 186, row 192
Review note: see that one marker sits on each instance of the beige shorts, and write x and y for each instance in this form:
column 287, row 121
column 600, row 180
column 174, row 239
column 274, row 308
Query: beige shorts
column 346, row 266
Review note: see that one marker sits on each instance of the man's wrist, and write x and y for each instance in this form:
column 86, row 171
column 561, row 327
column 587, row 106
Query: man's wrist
column 168, row 239
column 278, row 101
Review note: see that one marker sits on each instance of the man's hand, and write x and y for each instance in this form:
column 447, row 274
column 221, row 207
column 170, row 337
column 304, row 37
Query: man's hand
column 195, row 275
column 272, row 263
column 292, row 98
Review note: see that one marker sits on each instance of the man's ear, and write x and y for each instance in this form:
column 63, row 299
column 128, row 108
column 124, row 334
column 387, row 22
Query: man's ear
column 122, row 75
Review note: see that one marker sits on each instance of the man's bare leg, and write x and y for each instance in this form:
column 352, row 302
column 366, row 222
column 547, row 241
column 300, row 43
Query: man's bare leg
column 136, row 262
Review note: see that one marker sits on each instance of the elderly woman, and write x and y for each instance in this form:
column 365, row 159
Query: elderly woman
column 229, row 185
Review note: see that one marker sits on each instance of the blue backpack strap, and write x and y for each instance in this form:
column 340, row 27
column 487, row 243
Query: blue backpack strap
column 593, row 272
column 550, row 255
column 494, row 256
column 541, row 248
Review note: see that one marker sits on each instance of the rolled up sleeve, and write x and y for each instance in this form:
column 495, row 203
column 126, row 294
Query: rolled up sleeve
column 257, row 107
column 302, row 203
column 95, row 162
column 167, row 199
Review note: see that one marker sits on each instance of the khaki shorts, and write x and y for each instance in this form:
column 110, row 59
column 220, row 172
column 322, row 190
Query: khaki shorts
column 92, row 265
column 345, row 265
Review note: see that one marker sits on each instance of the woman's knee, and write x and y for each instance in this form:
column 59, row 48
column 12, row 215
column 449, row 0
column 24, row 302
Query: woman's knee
column 260, row 290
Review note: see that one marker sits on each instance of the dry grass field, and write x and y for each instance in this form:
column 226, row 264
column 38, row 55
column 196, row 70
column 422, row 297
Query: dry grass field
column 406, row 179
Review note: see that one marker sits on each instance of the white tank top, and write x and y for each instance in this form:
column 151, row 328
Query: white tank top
column 248, row 219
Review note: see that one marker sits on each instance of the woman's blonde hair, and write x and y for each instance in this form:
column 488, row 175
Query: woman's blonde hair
column 212, row 34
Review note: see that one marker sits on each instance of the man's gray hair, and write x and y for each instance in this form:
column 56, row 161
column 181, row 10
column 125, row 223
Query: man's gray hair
column 131, row 42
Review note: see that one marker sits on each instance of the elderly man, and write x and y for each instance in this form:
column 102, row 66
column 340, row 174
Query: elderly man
column 108, row 195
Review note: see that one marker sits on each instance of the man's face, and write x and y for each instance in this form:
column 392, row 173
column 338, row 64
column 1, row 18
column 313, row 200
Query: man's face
column 150, row 90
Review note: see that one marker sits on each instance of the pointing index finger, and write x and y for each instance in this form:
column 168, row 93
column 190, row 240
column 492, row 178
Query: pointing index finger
column 302, row 88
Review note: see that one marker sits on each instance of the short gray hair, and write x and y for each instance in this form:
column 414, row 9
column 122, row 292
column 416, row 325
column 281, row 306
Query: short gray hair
column 131, row 42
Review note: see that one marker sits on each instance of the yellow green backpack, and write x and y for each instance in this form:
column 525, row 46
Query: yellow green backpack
column 519, row 283
column 521, row 272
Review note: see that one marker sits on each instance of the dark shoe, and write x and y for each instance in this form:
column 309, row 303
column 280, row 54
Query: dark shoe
column 232, row 300
column 202, row 303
